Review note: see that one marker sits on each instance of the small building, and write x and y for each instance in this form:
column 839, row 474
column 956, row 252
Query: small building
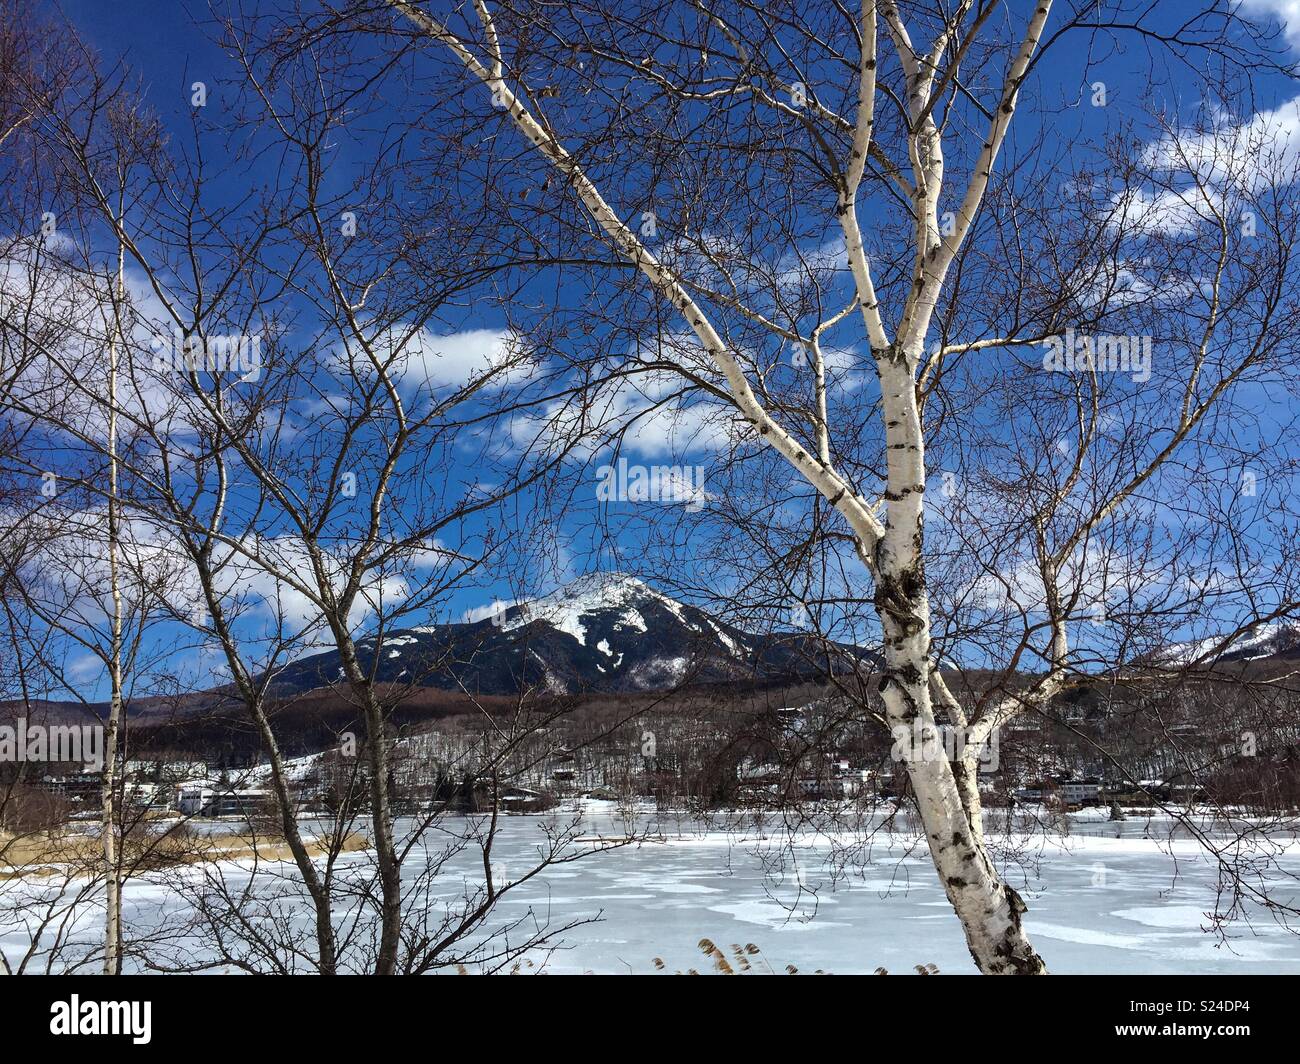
column 203, row 798
column 1081, row 792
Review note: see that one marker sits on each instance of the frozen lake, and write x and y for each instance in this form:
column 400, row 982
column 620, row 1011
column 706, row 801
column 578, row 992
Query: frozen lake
column 1097, row 903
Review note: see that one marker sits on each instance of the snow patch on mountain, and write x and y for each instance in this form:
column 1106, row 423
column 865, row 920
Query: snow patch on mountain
column 727, row 641
column 660, row 672
column 565, row 609
column 604, row 632
column 1266, row 640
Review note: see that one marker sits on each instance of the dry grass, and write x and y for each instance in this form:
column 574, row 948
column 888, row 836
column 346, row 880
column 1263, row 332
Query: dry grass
column 145, row 848
column 748, row 959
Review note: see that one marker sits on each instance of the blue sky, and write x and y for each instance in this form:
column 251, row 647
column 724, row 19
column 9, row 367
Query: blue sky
column 165, row 46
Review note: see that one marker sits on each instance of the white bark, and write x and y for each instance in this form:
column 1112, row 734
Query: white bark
column 989, row 910
column 825, row 480
column 108, row 794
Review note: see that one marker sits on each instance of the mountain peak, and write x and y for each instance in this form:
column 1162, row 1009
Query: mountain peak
column 565, row 608
column 611, row 584
column 606, row 631
column 1270, row 639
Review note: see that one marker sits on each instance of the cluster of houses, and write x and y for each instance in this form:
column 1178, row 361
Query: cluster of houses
column 191, row 788
column 833, row 777
column 783, row 765
column 1077, row 793
column 197, row 788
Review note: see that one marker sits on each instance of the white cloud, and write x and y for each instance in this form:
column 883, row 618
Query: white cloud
column 66, row 570
column 1232, row 153
column 482, row 613
column 1208, row 168
column 1286, row 12
column 1095, row 575
column 58, row 330
column 1166, row 211
column 421, row 359
column 656, row 412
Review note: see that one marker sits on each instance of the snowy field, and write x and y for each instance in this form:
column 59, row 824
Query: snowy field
column 1098, row 903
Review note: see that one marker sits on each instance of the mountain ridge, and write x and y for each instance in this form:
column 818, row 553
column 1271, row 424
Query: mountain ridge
column 605, row 632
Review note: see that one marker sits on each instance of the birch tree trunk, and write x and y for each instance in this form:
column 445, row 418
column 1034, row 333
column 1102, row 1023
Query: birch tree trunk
column 989, row 910
column 390, row 868
column 108, row 793
column 253, row 696
column 767, row 90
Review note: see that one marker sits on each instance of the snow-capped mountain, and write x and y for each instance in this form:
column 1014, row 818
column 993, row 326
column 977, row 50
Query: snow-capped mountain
column 1277, row 639
column 605, row 632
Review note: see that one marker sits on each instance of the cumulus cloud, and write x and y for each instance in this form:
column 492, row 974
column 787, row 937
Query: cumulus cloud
column 1165, row 211
column 420, row 359
column 652, row 409
column 58, row 326
column 65, row 567
column 1204, row 170
column 1285, row 12
column 1234, row 152
column 496, row 607
column 1096, row 577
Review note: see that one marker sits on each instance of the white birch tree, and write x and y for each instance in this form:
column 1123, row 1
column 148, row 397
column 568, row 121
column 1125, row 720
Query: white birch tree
column 821, row 76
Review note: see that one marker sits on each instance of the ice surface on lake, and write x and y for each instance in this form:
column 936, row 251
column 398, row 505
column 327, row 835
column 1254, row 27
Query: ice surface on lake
column 1097, row 903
